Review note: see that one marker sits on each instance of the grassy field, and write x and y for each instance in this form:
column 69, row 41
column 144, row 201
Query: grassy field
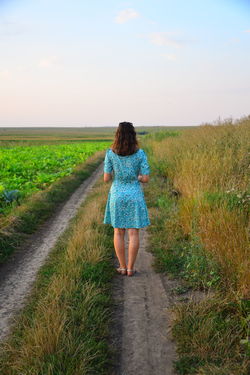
column 199, row 203
column 10, row 137
column 75, row 132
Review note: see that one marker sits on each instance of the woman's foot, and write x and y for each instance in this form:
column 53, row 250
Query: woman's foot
column 130, row 272
column 122, row 271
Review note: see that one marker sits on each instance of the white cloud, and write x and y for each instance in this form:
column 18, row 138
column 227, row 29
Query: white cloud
column 247, row 31
column 47, row 62
column 169, row 56
column 125, row 15
column 164, row 39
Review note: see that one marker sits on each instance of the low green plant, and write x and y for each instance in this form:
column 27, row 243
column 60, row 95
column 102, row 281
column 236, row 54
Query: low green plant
column 234, row 199
column 29, row 169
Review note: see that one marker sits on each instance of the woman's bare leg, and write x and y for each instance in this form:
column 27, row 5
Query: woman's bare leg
column 119, row 244
column 133, row 234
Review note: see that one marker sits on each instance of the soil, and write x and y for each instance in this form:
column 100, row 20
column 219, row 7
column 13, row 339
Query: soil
column 141, row 335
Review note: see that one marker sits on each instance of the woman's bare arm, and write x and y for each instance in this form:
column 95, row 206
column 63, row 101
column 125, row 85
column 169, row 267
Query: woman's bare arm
column 107, row 177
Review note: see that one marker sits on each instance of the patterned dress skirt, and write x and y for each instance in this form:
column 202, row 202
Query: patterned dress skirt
column 126, row 206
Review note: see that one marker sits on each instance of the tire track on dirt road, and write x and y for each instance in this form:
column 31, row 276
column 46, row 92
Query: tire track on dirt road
column 141, row 332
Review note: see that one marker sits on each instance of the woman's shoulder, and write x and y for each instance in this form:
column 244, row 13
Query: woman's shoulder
column 141, row 151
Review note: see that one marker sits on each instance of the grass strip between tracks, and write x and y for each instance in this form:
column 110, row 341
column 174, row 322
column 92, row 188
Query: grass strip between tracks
column 25, row 219
column 63, row 329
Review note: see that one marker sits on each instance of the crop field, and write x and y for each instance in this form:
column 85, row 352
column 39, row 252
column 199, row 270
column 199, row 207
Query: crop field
column 24, row 170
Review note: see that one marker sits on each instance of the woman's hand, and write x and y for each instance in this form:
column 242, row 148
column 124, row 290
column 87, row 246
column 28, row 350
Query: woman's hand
column 143, row 178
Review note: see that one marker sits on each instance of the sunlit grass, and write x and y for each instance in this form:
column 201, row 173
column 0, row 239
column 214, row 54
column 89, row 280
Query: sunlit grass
column 198, row 199
column 209, row 167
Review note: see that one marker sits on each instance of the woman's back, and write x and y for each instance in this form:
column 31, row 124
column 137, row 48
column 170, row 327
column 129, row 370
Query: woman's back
column 126, row 168
column 126, row 207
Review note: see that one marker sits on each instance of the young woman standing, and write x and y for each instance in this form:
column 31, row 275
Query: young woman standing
column 126, row 207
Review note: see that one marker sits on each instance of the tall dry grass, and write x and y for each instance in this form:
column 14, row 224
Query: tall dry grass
column 209, row 166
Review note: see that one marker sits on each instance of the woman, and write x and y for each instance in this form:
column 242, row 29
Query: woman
column 126, row 207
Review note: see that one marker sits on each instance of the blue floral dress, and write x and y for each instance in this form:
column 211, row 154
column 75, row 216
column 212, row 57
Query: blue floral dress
column 126, row 206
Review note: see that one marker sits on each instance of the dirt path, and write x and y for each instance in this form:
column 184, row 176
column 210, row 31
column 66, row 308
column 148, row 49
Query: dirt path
column 141, row 333
column 18, row 274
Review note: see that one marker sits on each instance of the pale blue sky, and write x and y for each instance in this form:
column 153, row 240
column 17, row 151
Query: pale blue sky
column 161, row 62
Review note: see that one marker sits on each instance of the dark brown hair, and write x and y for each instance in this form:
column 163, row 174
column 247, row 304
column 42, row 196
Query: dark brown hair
column 125, row 142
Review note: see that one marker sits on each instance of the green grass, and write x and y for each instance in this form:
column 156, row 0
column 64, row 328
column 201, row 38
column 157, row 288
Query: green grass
column 177, row 254
column 162, row 134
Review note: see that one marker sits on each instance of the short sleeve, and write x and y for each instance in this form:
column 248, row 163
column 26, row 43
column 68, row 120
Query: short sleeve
column 144, row 167
column 108, row 167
